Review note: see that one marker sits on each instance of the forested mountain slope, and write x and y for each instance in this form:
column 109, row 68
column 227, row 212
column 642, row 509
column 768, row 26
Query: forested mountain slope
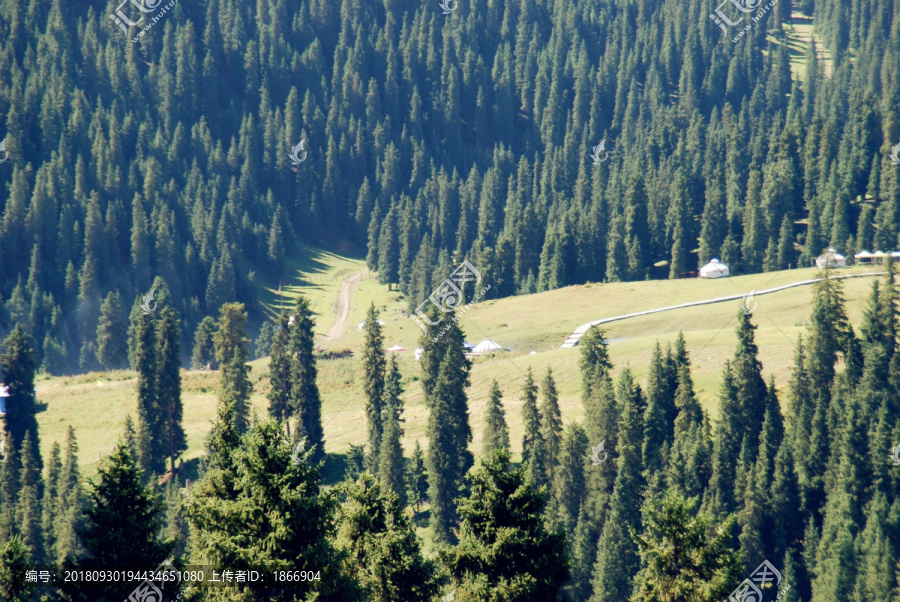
column 426, row 135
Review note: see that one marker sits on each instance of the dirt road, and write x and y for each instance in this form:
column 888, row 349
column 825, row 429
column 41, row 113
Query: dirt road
column 345, row 300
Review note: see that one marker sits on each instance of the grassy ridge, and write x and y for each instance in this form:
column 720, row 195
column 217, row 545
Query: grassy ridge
column 96, row 404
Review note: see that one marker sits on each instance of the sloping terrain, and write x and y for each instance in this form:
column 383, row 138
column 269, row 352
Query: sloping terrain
column 96, row 404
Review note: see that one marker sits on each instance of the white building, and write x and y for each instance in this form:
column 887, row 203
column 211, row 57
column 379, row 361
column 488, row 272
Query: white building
column 831, row 259
column 714, row 269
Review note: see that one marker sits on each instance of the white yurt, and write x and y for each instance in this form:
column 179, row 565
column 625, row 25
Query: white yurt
column 863, row 257
column 714, row 269
column 832, row 259
column 362, row 325
column 486, row 346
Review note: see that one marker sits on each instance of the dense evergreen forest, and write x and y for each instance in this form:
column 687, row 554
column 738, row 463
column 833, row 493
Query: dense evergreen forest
column 428, row 136
column 168, row 157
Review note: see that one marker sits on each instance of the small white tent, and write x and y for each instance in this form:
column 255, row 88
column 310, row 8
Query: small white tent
column 486, row 346
column 362, row 325
column 714, row 269
column 833, row 259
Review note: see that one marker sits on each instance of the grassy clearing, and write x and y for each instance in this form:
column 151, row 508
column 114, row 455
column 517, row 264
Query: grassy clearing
column 96, row 404
column 800, row 33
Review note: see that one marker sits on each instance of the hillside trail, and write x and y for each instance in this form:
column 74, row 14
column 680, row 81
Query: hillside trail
column 345, row 301
column 572, row 339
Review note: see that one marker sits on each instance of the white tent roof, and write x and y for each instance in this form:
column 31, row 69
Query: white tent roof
column 863, row 255
column 831, row 252
column 396, row 348
column 485, row 346
column 714, row 269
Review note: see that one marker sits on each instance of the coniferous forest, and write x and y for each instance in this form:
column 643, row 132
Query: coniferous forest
column 193, row 149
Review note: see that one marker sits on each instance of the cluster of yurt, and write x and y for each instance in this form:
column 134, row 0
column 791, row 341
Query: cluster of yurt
column 878, row 257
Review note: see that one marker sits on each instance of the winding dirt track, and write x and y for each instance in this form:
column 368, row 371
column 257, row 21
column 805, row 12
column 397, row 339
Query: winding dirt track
column 345, row 300
column 572, row 339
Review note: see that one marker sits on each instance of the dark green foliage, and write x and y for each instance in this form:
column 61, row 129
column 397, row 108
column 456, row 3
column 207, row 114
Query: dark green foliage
column 305, row 401
column 569, row 485
column 231, row 353
column 682, row 556
column 496, row 433
column 255, row 507
column 391, row 465
column 551, row 423
column 13, row 565
column 279, row 394
column 151, row 415
column 263, row 345
column 111, row 333
column 445, row 379
column 373, row 381
column 17, row 366
column 204, row 352
column 123, row 525
column 174, row 441
column 384, row 554
column 505, row 551
column 416, row 478
column 531, row 418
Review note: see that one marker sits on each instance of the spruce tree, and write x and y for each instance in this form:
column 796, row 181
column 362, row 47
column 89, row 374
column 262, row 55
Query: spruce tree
column 551, row 422
column 417, row 478
column 255, row 478
column 111, row 333
column 683, row 557
column 13, row 567
column 373, row 381
column 123, row 526
column 231, row 353
column 29, row 505
column 531, row 418
column 617, row 554
column 749, row 384
column 505, row 550
column 17, row 367
column 279, row 394
column 569, row 481
column 658, row 418
column 204, row 351
column 305, row 400
column 447, row 462
column 168, row 333
column 391, row 464
column 70, row 508
column 381, row 543
column 51, row 502
column 151, row 415
column 496, row 433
